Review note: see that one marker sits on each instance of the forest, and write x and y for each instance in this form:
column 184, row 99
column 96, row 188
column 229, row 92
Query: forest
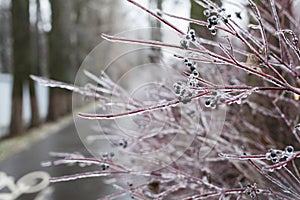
column 47, row 38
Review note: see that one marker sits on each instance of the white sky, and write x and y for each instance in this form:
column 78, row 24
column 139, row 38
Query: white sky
column 45, row 14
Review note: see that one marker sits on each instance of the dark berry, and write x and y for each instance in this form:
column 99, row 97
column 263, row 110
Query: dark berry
column 214, row 18
column 289, row 149
column 192, row 68
column 273, row 154
column 193, row 38
column 238, row 15
column 195, row 73
column 207, row 102
column 192, row 32
column 214, row 22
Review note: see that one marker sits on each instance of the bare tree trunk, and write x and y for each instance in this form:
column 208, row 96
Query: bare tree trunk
column 156, row 33
column 21, row 61
column 35, row 116
column 59, row 56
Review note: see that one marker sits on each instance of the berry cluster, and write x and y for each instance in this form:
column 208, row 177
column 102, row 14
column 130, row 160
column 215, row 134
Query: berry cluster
column 192, row 79
column 191, row 64
column 276, row 155
column 189, row 37
column 214, row 17
column 106, row 156
column 123, row 143
column 252, row 191
column 104, row 166
column 183, row 92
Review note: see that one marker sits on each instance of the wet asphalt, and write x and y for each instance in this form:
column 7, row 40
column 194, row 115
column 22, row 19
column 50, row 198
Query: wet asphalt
column 66, row 140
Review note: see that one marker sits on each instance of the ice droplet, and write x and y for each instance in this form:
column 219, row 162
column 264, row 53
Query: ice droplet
column 271, row 169
column 46, row 164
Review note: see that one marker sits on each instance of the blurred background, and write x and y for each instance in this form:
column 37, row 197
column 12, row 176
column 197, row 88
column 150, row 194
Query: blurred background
column 51, row 38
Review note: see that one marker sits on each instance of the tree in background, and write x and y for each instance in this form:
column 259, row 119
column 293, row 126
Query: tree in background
column 156, row 32
column 21, row 61
column 60, row 57
column 22, row 67
column 36, row 64
column 75, row 29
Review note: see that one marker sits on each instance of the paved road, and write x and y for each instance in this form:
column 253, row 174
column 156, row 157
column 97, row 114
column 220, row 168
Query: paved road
column 66, row 140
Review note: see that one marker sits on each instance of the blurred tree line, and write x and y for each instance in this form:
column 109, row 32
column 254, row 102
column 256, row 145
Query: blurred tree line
column 28, row 45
